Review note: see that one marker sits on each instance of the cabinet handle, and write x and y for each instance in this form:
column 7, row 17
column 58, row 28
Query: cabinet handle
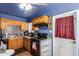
column 74, row 42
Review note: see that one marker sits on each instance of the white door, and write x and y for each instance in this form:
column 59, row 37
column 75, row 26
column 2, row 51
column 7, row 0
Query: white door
column 67, row 47
column 63, row 46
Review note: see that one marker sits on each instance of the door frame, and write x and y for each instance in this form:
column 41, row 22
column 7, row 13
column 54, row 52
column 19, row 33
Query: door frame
column 76, row 20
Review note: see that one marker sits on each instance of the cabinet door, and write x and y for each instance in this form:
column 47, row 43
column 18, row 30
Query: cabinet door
column 67, row 47
column 17, row 22
column 37, row 20
column 46, row 18
column 10, row 22
column 33, row 21
column 12, row 44
column 3, row 23
column 41, row 19
column 24, row 26
column 27, row 44
column 20, row 42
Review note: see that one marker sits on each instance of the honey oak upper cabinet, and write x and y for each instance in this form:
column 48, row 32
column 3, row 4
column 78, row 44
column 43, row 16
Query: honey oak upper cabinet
column 45, row 19
column 24, row 26
column 17, row 22
column 41, row 19
column 3, row 22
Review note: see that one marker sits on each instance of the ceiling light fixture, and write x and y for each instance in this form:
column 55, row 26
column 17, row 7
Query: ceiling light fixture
column 25, row 6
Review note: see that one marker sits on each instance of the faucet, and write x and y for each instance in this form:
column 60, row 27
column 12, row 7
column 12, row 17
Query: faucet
column 6, row 35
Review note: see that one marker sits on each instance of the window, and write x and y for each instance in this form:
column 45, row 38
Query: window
column 65, row 27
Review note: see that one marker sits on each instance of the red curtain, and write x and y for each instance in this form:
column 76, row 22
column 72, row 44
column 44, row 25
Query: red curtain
column 65, row 27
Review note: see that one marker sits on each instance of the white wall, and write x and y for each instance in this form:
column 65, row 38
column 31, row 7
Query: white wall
column 29, row 27
column 77, row 34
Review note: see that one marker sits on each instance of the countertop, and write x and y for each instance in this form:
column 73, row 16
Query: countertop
column 8, row 52
column 20, row 36
column 28, row 37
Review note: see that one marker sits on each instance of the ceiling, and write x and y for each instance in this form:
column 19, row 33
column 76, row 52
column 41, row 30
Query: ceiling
column 15, row 10
column 50, row 9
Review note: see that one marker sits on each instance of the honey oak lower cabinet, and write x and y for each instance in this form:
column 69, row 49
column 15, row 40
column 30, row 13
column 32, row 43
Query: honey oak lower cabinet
column 15, row 43
column 28, row 44
column 12, row 43
column 20, row 42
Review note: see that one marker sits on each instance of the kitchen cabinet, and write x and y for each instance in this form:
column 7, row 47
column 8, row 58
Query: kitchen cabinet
column 24, row 26
column 41, row 19
column 33, row 21
column 17, row 22
column 12, row 43
column 46, row 19
column 13, row 22
column 15, row 43
column 42, row 47
column 45, row 47
column 27, row 43
column 34, row 28
column 37, row 21
column 10, row 22
column 20, row 42
column 3, row 23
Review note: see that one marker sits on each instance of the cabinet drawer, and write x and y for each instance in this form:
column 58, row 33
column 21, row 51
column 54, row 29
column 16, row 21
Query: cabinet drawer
column 46, row 50
column 45, row 42
column 46, row 53
column 27, row 44
column 45, row 45
column 12, row 44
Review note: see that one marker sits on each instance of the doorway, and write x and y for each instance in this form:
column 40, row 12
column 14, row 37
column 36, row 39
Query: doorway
column 64, row 34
